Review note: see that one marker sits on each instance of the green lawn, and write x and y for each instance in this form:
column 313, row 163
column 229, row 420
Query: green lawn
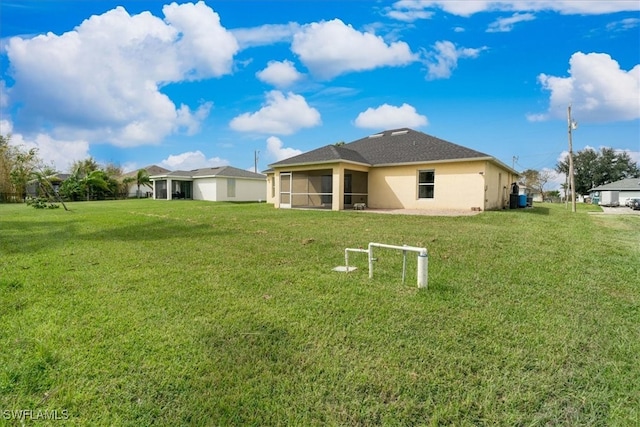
column 177, row 313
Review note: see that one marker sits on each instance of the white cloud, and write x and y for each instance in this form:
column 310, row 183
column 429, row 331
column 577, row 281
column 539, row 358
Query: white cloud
column 191, row 160
column 390, row 117
column 624, row 24
column 470, row 7
column 462, row 8
column 598, row 90
column 6, row 127
column 277, row 151
column 204, row 48
column 444, row 59
column 504, row 25
column 331, row 48
column 282, row 114
column 265, row 35
column 408, row 11
column 556, row 180
column 113, row 66
column 279, row 74
column 58, row 153
column 190, row 120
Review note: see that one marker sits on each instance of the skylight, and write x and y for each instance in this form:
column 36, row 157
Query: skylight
column 399, row 132
column 376, row 135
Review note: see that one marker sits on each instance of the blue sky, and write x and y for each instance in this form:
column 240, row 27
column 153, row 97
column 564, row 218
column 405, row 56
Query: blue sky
column 189, row 85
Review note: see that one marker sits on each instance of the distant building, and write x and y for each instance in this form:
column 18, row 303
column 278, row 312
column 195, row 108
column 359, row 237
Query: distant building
column 224, row 183
column 145, row 191
column 616, row 193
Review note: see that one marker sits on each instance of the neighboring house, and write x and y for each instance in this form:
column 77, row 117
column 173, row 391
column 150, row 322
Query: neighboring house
column 533, row 193
column 144, row 190
column 616, row 193
column 394, row 169
column 55, row 180
column 224, row 183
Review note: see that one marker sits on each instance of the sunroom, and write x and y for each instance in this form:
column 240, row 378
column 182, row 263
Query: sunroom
column 332, row 188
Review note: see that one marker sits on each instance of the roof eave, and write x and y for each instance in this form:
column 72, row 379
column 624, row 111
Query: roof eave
column 322, row 162
column 230, row 176
column 170, row 176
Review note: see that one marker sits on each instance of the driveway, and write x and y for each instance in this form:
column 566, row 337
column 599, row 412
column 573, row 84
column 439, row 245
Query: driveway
column 620, row 210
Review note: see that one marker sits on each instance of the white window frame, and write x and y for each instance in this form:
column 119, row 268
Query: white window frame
column 432, row 185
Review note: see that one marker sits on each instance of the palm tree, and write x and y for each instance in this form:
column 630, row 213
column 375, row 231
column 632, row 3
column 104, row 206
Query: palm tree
column 142, row 178
column 94, row 180
column 44, row 177
column 126, row 184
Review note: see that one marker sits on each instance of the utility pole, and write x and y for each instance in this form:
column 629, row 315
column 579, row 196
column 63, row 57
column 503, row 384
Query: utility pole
column 571, row 126
column 514, row 159
column 255, row 161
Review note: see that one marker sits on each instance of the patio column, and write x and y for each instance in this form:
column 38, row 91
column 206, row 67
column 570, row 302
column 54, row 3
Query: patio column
column 169, row 188
column 276, row 180
column 337, row 197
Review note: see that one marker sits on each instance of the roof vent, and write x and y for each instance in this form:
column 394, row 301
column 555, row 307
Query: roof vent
column 399, row 132
column 376, row 135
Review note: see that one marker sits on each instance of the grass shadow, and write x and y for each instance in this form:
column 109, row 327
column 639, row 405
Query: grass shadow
column 156, row 230
column 536, row 210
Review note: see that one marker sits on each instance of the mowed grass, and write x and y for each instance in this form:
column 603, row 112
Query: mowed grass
column 175, row 313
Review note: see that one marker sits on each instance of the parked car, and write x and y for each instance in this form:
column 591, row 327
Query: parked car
column 634, row 204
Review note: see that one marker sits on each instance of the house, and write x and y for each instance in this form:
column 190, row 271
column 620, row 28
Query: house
column 33, row 190
column 616, row 193
column 224, row 183
column 394, row 169
column 145, row 191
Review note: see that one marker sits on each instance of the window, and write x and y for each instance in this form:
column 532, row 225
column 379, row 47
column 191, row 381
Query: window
column 231, row 187
column 426, row 184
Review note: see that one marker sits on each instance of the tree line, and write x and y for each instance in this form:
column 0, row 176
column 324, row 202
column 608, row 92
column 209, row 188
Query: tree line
column 594, row 168
column 24, row 175
column 591, row 169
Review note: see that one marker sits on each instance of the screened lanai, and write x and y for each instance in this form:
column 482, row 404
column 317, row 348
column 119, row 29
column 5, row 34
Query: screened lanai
column 314, row 189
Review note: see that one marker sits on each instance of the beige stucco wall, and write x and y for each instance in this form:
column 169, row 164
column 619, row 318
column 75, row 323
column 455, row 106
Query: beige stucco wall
column 271, row 188
column 457, row 186
column 498, row 186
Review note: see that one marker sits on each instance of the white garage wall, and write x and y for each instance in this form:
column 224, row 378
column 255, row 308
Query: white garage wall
column 205, row 189
column 215, row 190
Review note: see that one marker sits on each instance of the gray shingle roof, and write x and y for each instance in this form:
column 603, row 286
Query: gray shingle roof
column 326, row 154
column 151, row 170
column 623, row 184
column 222, row 171
column 396, row 146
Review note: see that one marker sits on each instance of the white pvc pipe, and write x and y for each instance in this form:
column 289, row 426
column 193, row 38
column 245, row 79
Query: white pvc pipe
column 423, row 270
column 423, row 263
column 346, row 255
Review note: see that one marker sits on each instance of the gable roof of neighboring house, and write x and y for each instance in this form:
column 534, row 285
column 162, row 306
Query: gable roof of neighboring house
column 219, row 172
column 391, row 147
column 151, row 170
column 627, row 184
